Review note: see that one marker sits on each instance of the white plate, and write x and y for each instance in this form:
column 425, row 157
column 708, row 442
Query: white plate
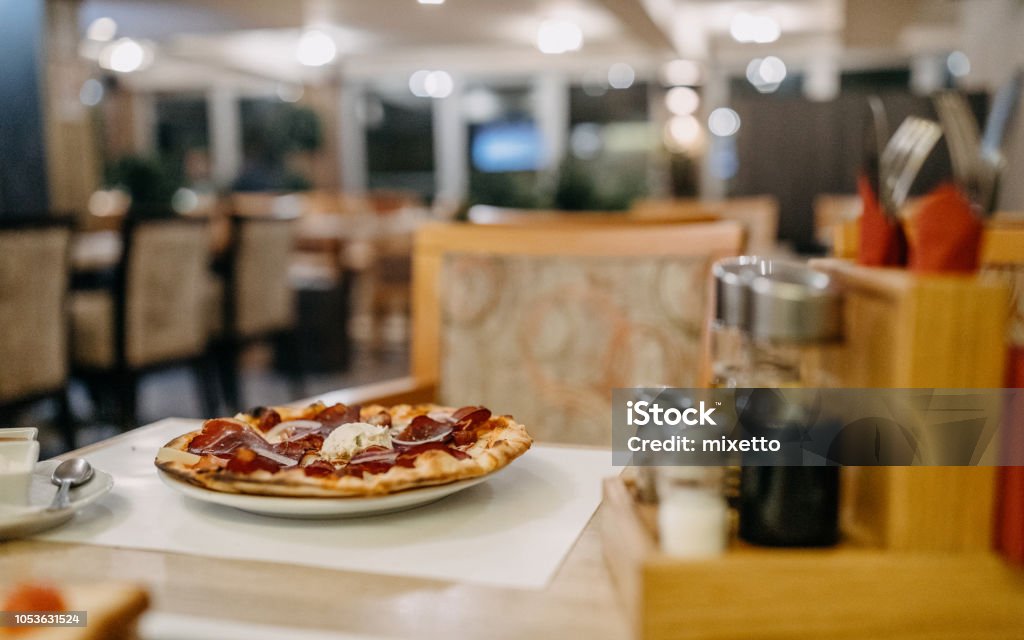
column 321, row 508
column 17, row 522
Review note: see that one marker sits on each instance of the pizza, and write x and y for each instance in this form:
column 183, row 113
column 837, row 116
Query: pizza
column 322, row 451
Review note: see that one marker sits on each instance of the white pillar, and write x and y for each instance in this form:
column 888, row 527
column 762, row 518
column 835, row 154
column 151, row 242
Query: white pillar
column 715, row 93
column 551, row 110
column 144, row 123
column 225, row 124
column 352, row 138
column 450, row 139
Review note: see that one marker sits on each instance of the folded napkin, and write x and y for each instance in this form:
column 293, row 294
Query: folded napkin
column 1010, row 491
column 944, row 234
column 882, row 243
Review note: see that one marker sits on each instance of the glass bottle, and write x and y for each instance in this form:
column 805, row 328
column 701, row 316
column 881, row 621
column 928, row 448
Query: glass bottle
column 795, row 314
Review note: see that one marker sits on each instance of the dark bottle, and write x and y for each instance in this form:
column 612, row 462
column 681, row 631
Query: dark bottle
column 794, row 315
column 789, row 506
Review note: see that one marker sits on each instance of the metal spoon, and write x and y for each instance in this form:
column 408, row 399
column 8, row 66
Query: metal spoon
column 68, row 474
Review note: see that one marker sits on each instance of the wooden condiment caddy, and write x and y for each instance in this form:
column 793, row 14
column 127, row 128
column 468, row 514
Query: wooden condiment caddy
column 850, row 591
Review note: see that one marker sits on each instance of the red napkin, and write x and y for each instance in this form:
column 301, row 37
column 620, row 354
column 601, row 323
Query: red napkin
column 944, row 234
column 882, row 242
column 1010, row 497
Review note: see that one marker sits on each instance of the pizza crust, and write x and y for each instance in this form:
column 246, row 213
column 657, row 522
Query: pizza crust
column 503, row 442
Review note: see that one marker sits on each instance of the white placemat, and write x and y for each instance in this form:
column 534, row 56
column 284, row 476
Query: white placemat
column 511, row 531
column 157, row 625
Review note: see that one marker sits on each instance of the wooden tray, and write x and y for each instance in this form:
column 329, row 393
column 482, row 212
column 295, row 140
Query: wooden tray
column 849, row 591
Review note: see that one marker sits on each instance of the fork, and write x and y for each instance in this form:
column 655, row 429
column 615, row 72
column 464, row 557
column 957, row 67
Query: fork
column 963, row 140
column 902, row 159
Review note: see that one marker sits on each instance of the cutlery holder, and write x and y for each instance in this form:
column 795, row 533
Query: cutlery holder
column 919, row 331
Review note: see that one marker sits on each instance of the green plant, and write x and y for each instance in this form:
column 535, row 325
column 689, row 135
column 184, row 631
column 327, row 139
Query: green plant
column 147, row 180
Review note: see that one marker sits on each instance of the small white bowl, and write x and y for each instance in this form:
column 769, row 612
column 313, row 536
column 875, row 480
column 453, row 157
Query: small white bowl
column 17, row 459
column 18, row 434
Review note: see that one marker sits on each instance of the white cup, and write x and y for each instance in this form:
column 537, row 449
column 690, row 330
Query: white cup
column 17, row 459
column 18, row 434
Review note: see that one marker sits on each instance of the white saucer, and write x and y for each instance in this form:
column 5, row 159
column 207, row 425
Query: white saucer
column 321, row 508
column 18, row 522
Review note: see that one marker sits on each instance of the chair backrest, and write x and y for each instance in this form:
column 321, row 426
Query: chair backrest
column 161, row 317
column 542, row 322
column 260, row 298
column 759, row 214
column 486, row 214
column 33, row 293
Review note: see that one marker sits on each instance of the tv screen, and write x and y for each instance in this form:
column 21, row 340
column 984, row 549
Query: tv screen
column 507, row 146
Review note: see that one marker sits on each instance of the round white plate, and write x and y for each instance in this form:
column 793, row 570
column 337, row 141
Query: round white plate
column 17, row 522
column 321, row 508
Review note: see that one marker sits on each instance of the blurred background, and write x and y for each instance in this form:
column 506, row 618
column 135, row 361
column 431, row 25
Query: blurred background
column 361, row 120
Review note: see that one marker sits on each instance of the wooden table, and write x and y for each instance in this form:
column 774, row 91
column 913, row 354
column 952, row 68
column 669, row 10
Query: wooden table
column 580, row 602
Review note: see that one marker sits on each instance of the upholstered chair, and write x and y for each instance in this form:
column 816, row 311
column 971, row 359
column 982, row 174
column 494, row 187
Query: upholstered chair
column 153, row 318
column 34, row 276
column 253, row 300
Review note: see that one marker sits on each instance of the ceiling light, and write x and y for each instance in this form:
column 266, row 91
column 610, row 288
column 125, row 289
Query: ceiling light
column 681, row 72
column 682, row 133
column 431, row 1
column 316, row 48
column 124, row 56
column 747, row 27
column 724, row 122
column 621, row 76
column 101, row 30
column 958, row 64
column 682, row 101
column 559, row 36
column 438, row 84
column 417, row 83
column 766, row 74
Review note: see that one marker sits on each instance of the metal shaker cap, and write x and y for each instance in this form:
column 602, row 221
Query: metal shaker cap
column 732, row 291
column 795, row 303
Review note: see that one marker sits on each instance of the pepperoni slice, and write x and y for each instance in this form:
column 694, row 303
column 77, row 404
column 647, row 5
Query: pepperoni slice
column 423, row 428
column 221, row 436
column 337, row 415
column 472, row 415
column 374, row 454
column 464, row 437
column 318, row 469
column 246, row 460
column 407, row 458
column 266, row 418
